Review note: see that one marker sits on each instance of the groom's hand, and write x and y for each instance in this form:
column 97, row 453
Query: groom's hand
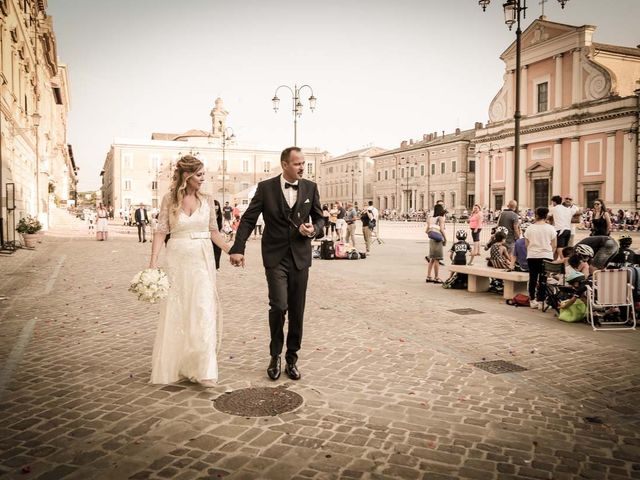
column 307, row 230
column 237, row 259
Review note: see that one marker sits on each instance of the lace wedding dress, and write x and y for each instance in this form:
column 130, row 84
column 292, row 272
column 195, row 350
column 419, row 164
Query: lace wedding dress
column 190, row 327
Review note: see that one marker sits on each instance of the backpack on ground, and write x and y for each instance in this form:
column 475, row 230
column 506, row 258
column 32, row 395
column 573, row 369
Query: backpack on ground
column 519, row 300
column 353, row 255
column 340, row 250
column 327, row 250
column 456, row 281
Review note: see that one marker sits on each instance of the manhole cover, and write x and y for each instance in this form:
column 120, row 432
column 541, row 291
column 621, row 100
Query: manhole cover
column 466, row 311
column 499, row 366
column 258, row 402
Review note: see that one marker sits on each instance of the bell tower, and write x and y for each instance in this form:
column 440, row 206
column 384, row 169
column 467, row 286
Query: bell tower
column 218, row 119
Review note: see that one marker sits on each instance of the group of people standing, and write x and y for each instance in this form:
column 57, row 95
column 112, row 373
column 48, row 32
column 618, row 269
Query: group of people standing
column 340, row 222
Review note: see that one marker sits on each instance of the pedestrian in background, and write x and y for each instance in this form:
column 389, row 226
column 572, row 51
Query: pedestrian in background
column 475, row 224
column 141, row 219
column 350, row 219
column 437, row 241
column 341, row 225
column 366, row 217
column 601, row 220
column 333, row 218
column 541, row 240
column 103, row 223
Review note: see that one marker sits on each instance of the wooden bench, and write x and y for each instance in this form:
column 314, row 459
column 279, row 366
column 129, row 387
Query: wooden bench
column 514, row 282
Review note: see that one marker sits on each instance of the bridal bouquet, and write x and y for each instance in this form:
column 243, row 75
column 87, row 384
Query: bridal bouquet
column 150, row 285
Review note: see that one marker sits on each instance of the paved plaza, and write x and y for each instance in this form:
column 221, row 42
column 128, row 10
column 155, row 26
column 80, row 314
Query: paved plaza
column 388, row 383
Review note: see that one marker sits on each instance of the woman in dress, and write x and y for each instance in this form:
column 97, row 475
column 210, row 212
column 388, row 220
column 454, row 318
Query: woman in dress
column 102, row 225
column 190, row 322
column 435, row 228
column 601, row 221
column 475, row 224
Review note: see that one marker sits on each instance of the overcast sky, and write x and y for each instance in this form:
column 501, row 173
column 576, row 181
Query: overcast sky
column 382, row 71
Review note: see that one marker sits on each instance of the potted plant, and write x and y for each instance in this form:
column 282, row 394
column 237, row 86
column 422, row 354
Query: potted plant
column 28, row 227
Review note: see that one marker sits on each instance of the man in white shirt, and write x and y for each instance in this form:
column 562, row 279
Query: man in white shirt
column 561, row 214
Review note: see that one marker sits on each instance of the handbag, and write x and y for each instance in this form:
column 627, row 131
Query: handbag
column 435, row 236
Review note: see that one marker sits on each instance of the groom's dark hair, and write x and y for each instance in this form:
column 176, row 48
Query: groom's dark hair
column 286, row 154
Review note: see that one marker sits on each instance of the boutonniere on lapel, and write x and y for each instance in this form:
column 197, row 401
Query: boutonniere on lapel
column 306, row 201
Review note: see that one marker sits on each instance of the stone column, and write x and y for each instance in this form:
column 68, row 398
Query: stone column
column 576, row 80
column 522, row 177
column 476, row 188
column 523, row 90
column 486, row 175
column 508, row 175
column 609, row 185
column 557, row 169
column 558, row 83
column 628, row 171
column 574, row 171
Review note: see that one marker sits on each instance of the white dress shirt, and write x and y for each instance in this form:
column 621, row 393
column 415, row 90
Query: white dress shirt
column 290, row 194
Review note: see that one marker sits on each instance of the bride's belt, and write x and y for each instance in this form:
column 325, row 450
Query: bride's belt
column 192, row 235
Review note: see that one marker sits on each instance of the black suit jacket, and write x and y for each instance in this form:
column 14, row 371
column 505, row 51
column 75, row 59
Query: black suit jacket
column 281, row 231
column 141, row 216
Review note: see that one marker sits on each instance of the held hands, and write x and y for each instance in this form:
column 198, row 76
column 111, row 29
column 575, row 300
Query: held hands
column 237, row 259
column 307, row 230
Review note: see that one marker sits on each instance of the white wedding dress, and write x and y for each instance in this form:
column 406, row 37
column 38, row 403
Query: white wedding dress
column 190, row 327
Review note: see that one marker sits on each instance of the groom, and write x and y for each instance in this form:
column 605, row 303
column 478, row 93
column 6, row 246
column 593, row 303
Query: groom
column 286, row 203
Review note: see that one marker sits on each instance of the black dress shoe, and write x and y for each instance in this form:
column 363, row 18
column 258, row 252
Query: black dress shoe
column 292, row 371
column 274, row 368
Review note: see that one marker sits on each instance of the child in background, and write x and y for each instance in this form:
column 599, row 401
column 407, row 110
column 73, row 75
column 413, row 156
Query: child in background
column 575, row 308
column 460, row 249
column 498, row 255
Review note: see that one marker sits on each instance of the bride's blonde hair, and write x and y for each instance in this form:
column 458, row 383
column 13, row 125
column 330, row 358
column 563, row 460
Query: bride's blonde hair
column 186, row 168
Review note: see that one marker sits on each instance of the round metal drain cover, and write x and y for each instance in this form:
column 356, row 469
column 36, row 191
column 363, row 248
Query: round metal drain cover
column 258, row 402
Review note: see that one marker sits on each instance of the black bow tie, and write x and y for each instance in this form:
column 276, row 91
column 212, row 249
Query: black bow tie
column 291, row 185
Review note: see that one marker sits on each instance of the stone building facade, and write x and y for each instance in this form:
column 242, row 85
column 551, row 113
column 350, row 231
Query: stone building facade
column 579, row 127
column 138, row 171
column 416, row 175
column 349, row 177
column 36, row 161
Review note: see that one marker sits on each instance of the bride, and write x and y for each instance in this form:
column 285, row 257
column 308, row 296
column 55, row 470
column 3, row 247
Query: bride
column 190, row 327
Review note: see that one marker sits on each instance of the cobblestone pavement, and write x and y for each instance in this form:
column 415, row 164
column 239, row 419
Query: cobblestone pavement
column 389, row 389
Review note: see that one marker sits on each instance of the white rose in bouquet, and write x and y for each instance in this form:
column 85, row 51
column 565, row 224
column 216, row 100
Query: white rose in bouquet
column 150, row 285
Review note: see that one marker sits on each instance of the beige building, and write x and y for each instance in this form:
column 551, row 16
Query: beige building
column 36, row 162
column 579, row 127
column 138, row 171
column 349, row 177
column 416, row 175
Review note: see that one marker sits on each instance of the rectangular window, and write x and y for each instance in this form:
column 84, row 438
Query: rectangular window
column 245, row 166
column 472, row 166
column 433, row 169
column 393, row 173
column 309, row 168
column 453, row 166
column 413, row 171
column 127, row 160
column 422, row 170
column 379, row 176
column 443, row 167
column 154, row 185
column 386, row 174
column 543, row 96
column 127, row 185
column 266, row 166
column 402, row 173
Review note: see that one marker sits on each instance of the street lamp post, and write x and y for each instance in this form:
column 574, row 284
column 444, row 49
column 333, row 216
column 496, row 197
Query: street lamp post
column 353, row 177
column 227, row 134
column 297, row 105
column 513, row 10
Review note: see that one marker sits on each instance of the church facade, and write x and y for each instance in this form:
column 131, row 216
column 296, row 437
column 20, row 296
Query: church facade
column 579, row 127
